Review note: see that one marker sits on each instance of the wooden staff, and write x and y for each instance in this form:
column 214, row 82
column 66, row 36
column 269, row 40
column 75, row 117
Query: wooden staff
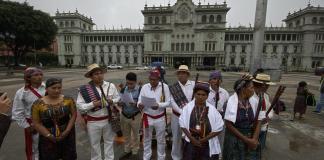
column 196, row 80
column 275, row 100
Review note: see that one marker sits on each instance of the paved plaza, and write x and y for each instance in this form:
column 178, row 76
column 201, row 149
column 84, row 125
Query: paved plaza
column 287, row 140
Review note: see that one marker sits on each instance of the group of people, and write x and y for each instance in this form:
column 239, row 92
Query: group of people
column 207, row 123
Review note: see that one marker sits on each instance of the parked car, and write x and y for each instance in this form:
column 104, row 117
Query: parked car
column 142, row 68
column 205, row 68
column 114, row 66
column 20, row 67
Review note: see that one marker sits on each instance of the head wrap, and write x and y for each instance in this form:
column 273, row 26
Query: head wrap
column 242, row 82
column 52, row 81
column 215, row 75
column 155, row 73
column 31, row 71
column 202, row 86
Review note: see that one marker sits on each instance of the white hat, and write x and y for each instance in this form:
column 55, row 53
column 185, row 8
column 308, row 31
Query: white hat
column 263, row 78
column 91, row 68
column 183, row 68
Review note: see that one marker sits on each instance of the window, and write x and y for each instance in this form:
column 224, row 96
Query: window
column 157, row 20
column 204, row 19
column 182, row 46
column 264, row 50
column 177, row 47
column 242, row 61
column 274, row 49
column 243, row 49
column 295, row 49
column 164, row 20
column 285, row 49
column 135, row 60
column 211, row 19
column 187, row 46
column 297, row 22
column 232, row 61
column 61, row 24
column 192, row 46
column 219, row 18
column 72, row 24
column 314, row 20
column 172, row 47
column 126, row 60
column 150, row 20
column 233, row 49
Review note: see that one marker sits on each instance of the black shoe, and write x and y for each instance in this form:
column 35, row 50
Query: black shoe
column 127, row 155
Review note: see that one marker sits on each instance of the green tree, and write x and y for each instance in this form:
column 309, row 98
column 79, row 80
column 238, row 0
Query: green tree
column 24, row 29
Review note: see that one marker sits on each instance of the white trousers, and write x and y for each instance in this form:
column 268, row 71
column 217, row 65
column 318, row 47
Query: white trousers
column 99, row 129
column 159, row 126
column 35, row 146
column 176, row 152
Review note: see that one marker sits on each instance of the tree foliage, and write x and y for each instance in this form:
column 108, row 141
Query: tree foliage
column 23, row 29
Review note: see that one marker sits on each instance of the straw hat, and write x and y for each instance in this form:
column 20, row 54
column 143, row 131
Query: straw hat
column 92, row 68
column 183, row 68
column 263, row 78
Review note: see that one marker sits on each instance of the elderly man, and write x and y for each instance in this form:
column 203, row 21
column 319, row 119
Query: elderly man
column 181, row 93
column 261, row 83
column 154, row 115
column 21, row 111
column 96, row 100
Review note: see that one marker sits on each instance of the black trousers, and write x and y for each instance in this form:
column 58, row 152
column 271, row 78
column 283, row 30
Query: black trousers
column 191, row 152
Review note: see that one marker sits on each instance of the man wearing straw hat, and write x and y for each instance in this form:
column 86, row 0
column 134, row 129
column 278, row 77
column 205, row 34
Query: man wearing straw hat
column 261, row 83
column 96, row 100
column 154, row 115
column 181, row 93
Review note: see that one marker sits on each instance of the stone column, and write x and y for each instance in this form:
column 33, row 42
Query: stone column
column 89, row 55
column 114, row 55
column 98, row 58
column 258, row 36
column 122, row 54
column 131, row 55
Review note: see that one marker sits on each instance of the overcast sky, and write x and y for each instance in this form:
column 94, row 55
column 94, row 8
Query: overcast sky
column 126, row 13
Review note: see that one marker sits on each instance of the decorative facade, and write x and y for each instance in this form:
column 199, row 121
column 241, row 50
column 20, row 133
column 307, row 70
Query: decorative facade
column 193, row 34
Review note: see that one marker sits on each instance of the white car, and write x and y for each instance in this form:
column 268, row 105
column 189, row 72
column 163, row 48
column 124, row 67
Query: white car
column 114, row 66
column 142, row 68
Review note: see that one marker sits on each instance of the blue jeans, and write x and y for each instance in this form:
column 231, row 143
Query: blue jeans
column 320, row 103
column 262, row 139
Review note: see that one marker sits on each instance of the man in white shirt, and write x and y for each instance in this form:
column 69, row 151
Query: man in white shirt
column 21, row 110
column 218, row 96
column 154, row 116
column 95, row 100
column 261, row 84
column 181, row 95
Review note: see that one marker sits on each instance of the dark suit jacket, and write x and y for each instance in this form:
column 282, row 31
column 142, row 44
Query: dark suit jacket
column 5, row 122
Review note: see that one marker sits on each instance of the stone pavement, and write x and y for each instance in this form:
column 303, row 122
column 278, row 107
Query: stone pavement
column 295, row 140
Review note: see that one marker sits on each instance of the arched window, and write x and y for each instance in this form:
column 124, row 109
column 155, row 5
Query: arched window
column 204, row 19
column 314, row 20
column 157, row 20
column 211, row 19
column 192, row 46
column 290, row 25
column 297, row 22
column 164, row 20
column 219, row 18
column 150, row 20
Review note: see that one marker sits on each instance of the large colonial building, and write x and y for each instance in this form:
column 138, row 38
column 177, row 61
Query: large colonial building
column 193, row 34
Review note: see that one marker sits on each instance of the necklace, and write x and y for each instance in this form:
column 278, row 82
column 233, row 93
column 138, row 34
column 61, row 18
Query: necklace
column 198, row 118
column 245, row 106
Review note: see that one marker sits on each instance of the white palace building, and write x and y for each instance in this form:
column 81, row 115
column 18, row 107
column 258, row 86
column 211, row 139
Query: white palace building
column 193, row 34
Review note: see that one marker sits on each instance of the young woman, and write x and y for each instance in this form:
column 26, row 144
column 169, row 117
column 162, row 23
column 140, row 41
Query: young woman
column 242, row 128
column 201, row 123
column 54, row 117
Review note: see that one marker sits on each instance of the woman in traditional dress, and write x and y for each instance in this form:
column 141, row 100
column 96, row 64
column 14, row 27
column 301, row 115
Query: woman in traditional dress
column 242, row 128
column 300, row 101
column 201, row 123
column 54, row 117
